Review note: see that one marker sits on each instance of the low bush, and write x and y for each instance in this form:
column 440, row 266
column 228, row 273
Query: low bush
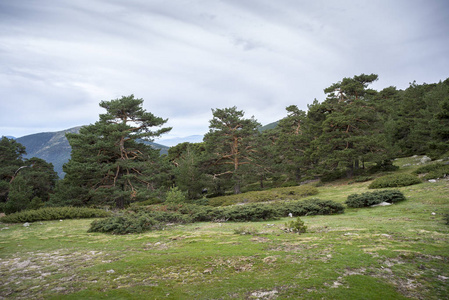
column 394, row 180
column 139, row 219
column 124, row 223
column 433, row 171
column 54, row 213
column 309, row 207
column 371, row 198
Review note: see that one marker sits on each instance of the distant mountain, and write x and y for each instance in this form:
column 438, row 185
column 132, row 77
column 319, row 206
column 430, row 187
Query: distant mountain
column 54, row 147
column 175, row 141
column 268, row 126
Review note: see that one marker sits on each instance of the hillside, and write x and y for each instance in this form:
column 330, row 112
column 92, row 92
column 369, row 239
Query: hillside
column 54, row 147
column 387, row 252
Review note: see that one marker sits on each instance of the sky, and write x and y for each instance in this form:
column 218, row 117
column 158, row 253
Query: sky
column 60, row 58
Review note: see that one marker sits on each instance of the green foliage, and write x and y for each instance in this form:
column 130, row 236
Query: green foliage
column 123, row 224
column 230, row 144
column 111, row 164
column 309, row 207
column 394, row 180
column 433, row 171
column 54, row 213
column 140, row 219
column 174, row 195
column 286, row 193
column 371, row 198
column 295, row 226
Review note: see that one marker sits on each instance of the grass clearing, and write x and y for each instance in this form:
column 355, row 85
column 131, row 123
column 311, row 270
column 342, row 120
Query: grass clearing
column 394, row 252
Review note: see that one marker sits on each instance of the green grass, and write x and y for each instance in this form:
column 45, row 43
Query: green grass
column 395, row 252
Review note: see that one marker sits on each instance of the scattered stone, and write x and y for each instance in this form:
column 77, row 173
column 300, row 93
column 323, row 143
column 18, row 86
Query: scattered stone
column 26, row 224
column 407, row 165
column 441, row 277
column 290, row 215
column 425, row 159
column 433, row 214
column 60, row 220
column 350, row 233
column 4, row 228
column 386, row 235
column 110, row 271
column 265, row 295
column 381, row 204
column 432, row 180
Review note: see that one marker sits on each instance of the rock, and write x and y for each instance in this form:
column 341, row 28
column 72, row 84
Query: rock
column 381, row 204
column 110, row 271
column 26, row 224
column 290, row 215
column 432, row 180
column 425, row 159
column 433, row 214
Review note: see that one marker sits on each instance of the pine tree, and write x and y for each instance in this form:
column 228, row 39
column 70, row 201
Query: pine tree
column 110, row 163
column 230, row 142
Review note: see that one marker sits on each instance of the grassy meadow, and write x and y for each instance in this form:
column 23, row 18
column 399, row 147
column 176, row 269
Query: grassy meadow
column 389, row 252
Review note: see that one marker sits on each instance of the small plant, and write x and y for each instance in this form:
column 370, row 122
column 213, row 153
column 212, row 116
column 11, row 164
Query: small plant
column 394, row 180
column 446, row 218
column 246, row 230
column 174, row 195
column 295, row 226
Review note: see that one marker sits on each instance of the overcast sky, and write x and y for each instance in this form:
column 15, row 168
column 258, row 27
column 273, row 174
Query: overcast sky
column 60, row 58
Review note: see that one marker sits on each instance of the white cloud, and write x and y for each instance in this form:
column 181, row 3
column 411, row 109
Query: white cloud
column 60, row 59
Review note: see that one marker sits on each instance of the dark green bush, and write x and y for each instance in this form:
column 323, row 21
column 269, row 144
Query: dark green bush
column 124, row 223
column 309, row 207
column 139, row 219
column 54, row 213
column 433, row 171
column 394, row 180
column 371, row 198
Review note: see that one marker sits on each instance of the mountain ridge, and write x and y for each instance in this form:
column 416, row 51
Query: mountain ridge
column 54, row 147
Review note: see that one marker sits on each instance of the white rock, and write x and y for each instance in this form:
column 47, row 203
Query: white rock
column 290, row 215
column 432, row 180
column 381, row 204
column 110, row 271
column 425, row 159
column 26, row 224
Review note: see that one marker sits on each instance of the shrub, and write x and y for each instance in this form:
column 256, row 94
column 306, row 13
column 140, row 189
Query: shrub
column 433, row 171
column 371, row 198
column 54, row 213
column 174, row 195
column 139, row 219
column 124, row 223
column 394, row 180
column 296, row 226
column 309, row 207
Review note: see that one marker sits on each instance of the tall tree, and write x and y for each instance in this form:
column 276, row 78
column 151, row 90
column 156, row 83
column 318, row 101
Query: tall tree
column 351, row 131
column 110, row 163
column 230, row 141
